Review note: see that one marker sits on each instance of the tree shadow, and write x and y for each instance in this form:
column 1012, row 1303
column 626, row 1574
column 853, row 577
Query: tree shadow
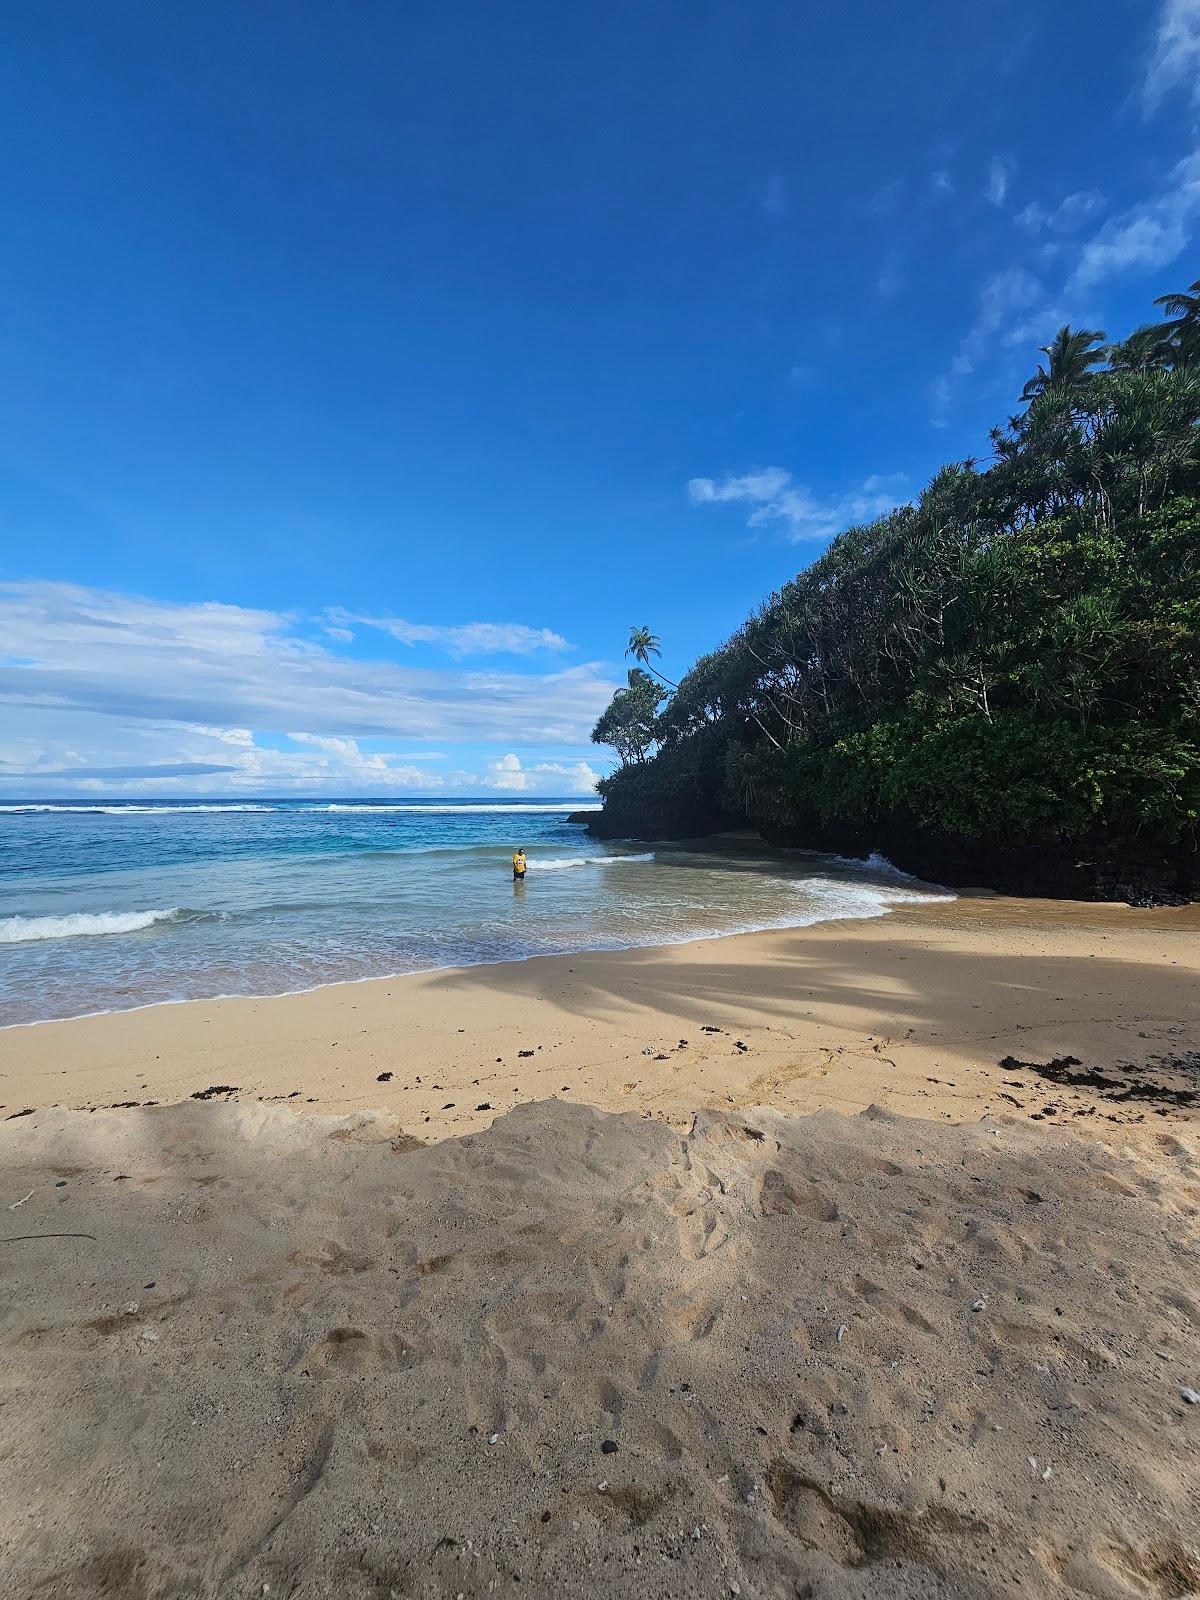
column 833, row 976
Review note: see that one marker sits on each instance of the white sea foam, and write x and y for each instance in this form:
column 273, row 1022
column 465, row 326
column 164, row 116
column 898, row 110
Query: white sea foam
column 838, row 902
column 79, row 925
column 443, row 810
column 133, row 810
column 876, row 863
column 303, row 809
column 557, row 863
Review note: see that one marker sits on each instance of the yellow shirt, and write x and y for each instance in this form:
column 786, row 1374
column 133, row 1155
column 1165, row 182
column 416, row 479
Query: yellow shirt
column 518, row 862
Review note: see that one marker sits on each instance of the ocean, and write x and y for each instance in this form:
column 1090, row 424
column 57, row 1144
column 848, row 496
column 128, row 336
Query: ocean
column 109, row 905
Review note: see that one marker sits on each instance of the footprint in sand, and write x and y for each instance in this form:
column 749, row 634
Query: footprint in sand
column 353, row 1351
column 330, row 1257
column 611, row 1400
column 780, row 1196
column 890, row 1306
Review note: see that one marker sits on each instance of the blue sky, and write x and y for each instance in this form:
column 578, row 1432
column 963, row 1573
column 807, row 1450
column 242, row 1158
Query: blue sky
column 369, row 369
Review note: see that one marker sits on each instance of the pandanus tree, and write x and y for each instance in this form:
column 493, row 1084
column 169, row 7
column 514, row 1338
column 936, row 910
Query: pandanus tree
column 1070, row 357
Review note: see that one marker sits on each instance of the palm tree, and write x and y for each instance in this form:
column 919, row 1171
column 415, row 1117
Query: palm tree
column 1069, row 360
column 642, row 645
column 1144, row 350
column 1183, row 325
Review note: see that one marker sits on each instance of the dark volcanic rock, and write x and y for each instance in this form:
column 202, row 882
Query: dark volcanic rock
column 683, row 817
column 1142, row 872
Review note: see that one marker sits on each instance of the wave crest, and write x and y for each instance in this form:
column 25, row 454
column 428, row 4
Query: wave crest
column 79, row 925
column 557, row 863
column 449, row 810
column 305, row 808
column 131, row 810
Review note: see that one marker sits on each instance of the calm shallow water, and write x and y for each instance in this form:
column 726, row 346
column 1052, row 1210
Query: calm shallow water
column 108, row 906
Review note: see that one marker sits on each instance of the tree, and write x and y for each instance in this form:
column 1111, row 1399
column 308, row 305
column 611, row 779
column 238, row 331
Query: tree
column 1144, row 350
column 642, row 645
column 1070, row 358
column 1183, row 328
column 630, row 723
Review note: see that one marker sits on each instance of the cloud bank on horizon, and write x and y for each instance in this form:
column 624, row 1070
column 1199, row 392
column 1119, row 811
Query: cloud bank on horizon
column 114, row 693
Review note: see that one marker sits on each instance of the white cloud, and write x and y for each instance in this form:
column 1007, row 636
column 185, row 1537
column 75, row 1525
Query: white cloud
column 241, row 737
column 1175, row 58
column 460, row 639
column 1002, row 294
column 580, row 778
column 763, row 485
column 776, row 498
column 1004, row 297
column 999, row 175
column 343, row 761
column 942, row 181
column 507, row 773
column 213, row 764
column 347, row 751
column 116, row 682
column 1068, row 215
column 1015, row 308
column 1150, row 234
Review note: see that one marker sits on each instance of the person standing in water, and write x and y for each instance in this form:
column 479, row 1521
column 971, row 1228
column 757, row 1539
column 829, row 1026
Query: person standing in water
column 519, row 865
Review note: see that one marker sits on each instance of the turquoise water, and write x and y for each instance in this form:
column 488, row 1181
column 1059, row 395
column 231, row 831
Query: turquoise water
column 111, row 905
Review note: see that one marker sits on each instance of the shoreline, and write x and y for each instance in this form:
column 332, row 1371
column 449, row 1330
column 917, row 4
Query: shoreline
column 804, row 1016
column 936, row 894
column 893, row 887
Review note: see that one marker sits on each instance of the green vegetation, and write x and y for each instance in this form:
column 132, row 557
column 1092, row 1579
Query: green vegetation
column 630, row 723
column 642, row 645
column 1015, row 657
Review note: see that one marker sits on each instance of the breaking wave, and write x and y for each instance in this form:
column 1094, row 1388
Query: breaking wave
column 431, row 809
column 556, row 864
column 80, row 925
column 424, row 808
column 142, row 811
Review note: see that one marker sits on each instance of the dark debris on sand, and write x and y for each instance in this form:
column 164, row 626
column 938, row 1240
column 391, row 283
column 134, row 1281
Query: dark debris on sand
column 1135, row 1085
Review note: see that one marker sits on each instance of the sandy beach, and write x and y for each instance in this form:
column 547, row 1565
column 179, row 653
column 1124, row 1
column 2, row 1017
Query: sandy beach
column 852, row 1260
column 911, row 1011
